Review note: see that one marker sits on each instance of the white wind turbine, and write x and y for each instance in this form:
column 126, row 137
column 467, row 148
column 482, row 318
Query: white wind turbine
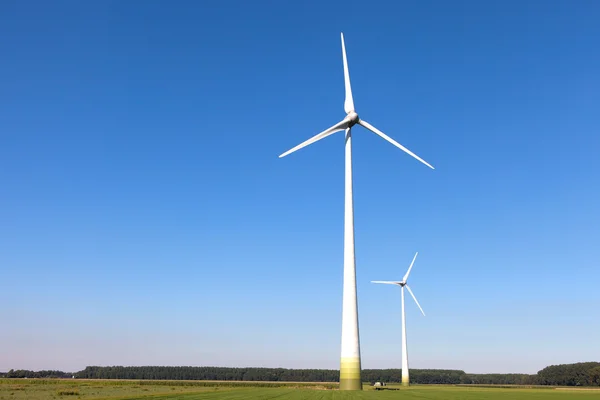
column 350, row 378
column 403, row 284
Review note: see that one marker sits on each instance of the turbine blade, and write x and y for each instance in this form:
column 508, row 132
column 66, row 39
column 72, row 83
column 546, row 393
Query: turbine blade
column 340, row 126
column 409, row 268
column 349, row 102
column 392, row 141
column 386, row 282
column 413, row 296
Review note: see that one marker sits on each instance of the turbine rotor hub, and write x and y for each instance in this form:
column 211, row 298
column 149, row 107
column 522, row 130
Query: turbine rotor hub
column 352, row 118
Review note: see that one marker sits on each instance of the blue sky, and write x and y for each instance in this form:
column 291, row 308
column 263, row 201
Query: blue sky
column 146, row 219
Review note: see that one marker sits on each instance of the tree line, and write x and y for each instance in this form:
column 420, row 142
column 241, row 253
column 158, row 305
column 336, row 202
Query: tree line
column 23, row 373
column 579, row 374
column 267, row 374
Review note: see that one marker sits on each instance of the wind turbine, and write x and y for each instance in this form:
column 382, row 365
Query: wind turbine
column 350, row 378
column 403, row 284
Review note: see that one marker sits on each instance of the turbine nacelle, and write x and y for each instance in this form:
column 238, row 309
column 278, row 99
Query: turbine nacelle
column 352, row 119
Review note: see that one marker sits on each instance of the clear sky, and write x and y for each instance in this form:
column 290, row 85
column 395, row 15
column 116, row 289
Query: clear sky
column 146, row 219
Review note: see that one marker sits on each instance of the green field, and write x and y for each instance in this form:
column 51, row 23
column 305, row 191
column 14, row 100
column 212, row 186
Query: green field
column 37, row 389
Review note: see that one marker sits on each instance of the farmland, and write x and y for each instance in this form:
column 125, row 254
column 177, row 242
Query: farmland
column 38, row 389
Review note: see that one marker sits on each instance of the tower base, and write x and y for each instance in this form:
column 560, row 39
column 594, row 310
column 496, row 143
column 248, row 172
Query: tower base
column 350, row 374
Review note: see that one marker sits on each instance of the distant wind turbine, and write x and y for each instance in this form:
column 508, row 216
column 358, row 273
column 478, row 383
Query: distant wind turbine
column 403, row 284
column 350, row 366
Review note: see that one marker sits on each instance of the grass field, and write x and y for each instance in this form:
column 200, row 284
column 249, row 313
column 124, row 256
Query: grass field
column 37, row 389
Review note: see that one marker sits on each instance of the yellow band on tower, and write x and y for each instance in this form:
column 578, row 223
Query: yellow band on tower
column 350, row 374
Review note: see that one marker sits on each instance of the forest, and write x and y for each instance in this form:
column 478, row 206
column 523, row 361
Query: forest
column 22, row 373
column 579, row 374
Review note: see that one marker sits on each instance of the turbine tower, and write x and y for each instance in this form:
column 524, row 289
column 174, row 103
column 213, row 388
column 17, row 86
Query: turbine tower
column 350, row 378
column 403, row 284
